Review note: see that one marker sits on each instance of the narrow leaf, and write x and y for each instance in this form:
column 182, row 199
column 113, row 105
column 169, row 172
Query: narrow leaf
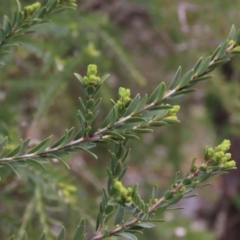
column 12, row 168
column 154, row 192
column 232, row 33
column 79, row 77
column 203, row 66
column 185, row 79
column 222, row 50
column 114, row 134
column 87, row 151
column 155, row 96
column 80, row 230
column 132, row 106
column 41, row 146
column 119, row 216
column 141, row 104
column 61, row 235
column 127, row 235
column 175, row 79
column 3, row 143
column 104, row 78
column 24, row 237
column 36, row 163
column 60, row 160
column 43, row 237
column 110, row 119
column 146, row 225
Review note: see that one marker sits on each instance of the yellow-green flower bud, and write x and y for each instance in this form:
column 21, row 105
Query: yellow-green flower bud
column 230, row 164
column 124, row 92
column 118, row 185
column 129, row 191
column 92, row 69
column 86, row 80
column 231, row 42
column 182, row 189
column 209, row 153
column 128, row 199
column 94, row 80
column 168, row 195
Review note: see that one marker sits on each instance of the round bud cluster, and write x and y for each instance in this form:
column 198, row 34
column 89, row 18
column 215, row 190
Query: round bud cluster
column 172, row 114
column 29, row 10
column 91, row 78
column 68, row 192
column 124, row 194
column 219, row 156
column 124, row 98
column 173, row 111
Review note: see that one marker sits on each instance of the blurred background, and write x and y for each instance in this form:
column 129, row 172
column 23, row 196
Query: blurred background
column 140, row 43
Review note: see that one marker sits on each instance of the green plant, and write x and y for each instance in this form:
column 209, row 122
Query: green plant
column 128, row 117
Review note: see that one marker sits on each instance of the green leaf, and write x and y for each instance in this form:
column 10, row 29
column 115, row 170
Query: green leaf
column 19, row 8
column 185, row 79
column 110, row 119
column 80, row 230
column 87, row 151
column 12, row 168
column 232, row 33
column 104, row 78
column 218, row 64
column 154, row 191
column 61, row 235
column 158, row 93
column 120, row 177
column 197, row 64
column 222, row 50
column 79, row 77
column 203, row 66
column 238, row 37
column 109, row 209
column 25, row 144
column 132, row 106
column 184, row 91
column 24, row 237
column 43, row 237
column 3, row 143
column 146, row 225
column 131, row 136
column 40, row 12
column 135, row 120
column 2, row 35
column 160, row 210
column 12, row 238
column 35, row 163
column 41, row 146
column 236, row 50
column 199, row 79
column 143, row 130
column 119, row 216
column 60, row 160
column 114, row 134
column 141, row 104
column 127, row 235
column 82, row 105
column 158, row 124
column 15, row 152
column 175, row 79
column 109, row 216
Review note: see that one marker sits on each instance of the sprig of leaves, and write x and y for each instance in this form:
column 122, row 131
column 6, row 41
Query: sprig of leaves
column 128, row 117
column 26, row 17
column 217, row 161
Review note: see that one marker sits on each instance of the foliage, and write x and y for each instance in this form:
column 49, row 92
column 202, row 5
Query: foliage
column 128, row 117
